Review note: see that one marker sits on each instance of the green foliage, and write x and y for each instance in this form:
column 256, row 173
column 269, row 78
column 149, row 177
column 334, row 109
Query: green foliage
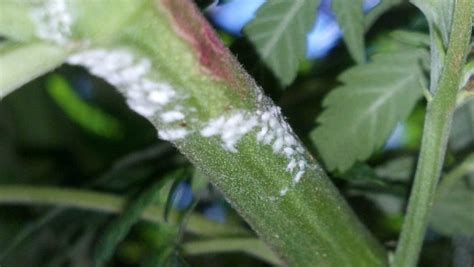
column 382, row 7
column 119, row 228
column 453, row 211
column 14, row 22
column 28, row 231
column 462, row 135
column 21, row 63
column 279, row 34
column 39, row 145
column 439, row 14
column 350, row 17
column 362, row 113
column 89, row 117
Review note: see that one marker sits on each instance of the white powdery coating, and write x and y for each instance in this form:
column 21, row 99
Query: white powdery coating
column 231, row 129
column 130, row 75
column 53, row 21
column 172, row 134
column 171, row 116
column 275, row 131
column 121, row 69
column 272, row 130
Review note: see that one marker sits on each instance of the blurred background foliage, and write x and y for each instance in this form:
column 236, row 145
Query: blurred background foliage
column 69, row 129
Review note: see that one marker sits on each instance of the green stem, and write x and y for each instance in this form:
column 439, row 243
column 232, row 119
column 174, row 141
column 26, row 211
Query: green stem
column 249, row 246
column 107, row 203
column 435, row 137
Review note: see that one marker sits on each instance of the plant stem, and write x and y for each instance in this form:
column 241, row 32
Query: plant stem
column 251, row 246
column 107, row 203
column 435, row 137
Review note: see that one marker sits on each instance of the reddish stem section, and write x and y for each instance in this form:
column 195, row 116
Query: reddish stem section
column 213, row 56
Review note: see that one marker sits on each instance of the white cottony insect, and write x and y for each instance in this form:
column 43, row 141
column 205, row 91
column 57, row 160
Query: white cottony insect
column 144, row 95
column 172, row 134
column 171, row 116
column 53, row 21
column 270, row 129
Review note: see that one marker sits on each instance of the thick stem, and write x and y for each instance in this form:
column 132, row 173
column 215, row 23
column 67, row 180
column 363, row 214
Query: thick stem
column 172, row 69
column 107, row 203
column 435, row 137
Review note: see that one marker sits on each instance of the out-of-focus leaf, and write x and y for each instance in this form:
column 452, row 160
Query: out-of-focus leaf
column 398, row 169
column 28, row 230
column 168, row 257
column 279, row 34
column 119, row 228
column 462, row 133
column 350, row 17
column 87, row 116
column 19, row 64
column 439, row 13
column 417, row 39
column 171, row 195
column 15, row 22
column 468, row 75
column 382, row 7
column 362, row 113
column 199, row 182
column 454, row 205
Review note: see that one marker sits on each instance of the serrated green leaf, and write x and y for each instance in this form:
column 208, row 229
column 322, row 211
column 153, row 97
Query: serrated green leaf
column 279, row 34
column 453, row 210
column 362, row 113
column 350, row 17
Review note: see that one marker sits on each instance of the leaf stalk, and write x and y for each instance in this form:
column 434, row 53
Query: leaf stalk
column 435, row 137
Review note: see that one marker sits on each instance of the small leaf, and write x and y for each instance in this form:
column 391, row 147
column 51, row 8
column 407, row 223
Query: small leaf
column 462, row 133
column 398, row 169
column 453, row 210
column 180, row 176
column 468, row 75
column 362, row 113
column 350, row 17
column 279, row 34
column 439, row 14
